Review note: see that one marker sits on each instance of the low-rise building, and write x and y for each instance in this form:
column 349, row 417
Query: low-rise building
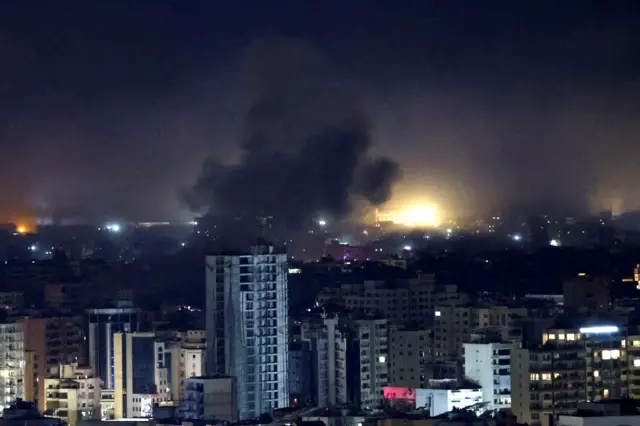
column 209, row 398
column 72, row 394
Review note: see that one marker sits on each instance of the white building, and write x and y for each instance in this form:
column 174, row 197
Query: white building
column 489, row 364
column 12, row 363
column 247, row 326
column 436, row 400
column 72, row 394
column 439, row 401
column 209, row 398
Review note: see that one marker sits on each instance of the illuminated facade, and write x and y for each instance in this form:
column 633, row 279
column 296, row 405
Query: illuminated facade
column 489, row 365
column 436, row 400
column 247, row 326
column 141, row 378
column 591, row 363
column 72, row 394
column 12, row 363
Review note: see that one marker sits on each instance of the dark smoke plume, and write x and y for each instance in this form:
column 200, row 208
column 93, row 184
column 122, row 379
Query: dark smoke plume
column 305, row 146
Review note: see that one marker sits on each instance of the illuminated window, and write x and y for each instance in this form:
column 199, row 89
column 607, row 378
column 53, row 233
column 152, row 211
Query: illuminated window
column 571, row 336
column 438, row 313
column 382, row 358
column 534, row 376
column 613, row 354
column 636, row 362
column 556, row 375
column 606, row 354
column 552, row 337
column 596, row 373
column 605, row 393
column 623, row 343
column 546, row 376
column 560, row 336
column 636, row 343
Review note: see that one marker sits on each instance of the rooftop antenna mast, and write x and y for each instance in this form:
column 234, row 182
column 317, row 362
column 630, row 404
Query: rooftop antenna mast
column 262, row 223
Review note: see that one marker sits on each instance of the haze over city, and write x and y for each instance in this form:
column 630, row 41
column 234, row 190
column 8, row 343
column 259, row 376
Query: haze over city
column 109, row 109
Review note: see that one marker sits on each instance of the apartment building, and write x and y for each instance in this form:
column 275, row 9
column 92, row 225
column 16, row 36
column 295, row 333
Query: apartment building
column 247, row 325
column 405, row 300
column 183, row 360
column 410, row 353
column 12, row 363
column 549, row 379
column 367, row 362
column 488, row 363
column 324, row 345
column 72, row 394
column 53, row 341
column 455, row 325
column 210, row 398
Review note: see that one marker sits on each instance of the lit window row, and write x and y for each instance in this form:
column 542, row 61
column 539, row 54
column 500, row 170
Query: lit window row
column 611, row 354
column 545, row 376
column 562, row 336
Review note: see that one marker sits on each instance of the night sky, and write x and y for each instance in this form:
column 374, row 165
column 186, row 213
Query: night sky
column 109, row 109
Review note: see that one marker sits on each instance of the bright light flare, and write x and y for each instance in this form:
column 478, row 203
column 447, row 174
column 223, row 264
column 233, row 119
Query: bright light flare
column 413, row 216
column 22, row 229
column 600, row 329
column 420, row 215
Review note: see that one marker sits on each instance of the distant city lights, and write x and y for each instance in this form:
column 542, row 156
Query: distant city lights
column 33, row 247
column 407, row 248
column 21, row 230
column 517, row 237
column 322, row 222
column 554, row 243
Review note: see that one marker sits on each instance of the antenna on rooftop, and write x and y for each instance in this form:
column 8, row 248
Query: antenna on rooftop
column 263, row 221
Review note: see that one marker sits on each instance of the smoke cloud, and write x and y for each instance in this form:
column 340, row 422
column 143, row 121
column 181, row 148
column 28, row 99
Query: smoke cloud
column 305, row 150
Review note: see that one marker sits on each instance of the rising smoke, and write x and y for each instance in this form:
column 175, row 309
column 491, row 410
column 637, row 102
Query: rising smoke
column 305, row 149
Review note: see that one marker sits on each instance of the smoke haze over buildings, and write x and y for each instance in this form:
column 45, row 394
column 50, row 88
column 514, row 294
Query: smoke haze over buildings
column 305, row 149
column 109, row 109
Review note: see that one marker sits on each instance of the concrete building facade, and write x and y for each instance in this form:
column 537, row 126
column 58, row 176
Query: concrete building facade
column 209, row 398
column 489, row 364
column 141, row 378
column 247, row 326
column 11, row 363
column 53, row 341
column 72, row 394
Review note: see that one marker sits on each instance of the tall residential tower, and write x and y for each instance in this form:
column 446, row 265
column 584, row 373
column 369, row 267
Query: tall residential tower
column 247, row 330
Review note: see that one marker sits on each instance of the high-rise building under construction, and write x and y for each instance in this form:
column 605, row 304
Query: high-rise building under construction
column 247, row 333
